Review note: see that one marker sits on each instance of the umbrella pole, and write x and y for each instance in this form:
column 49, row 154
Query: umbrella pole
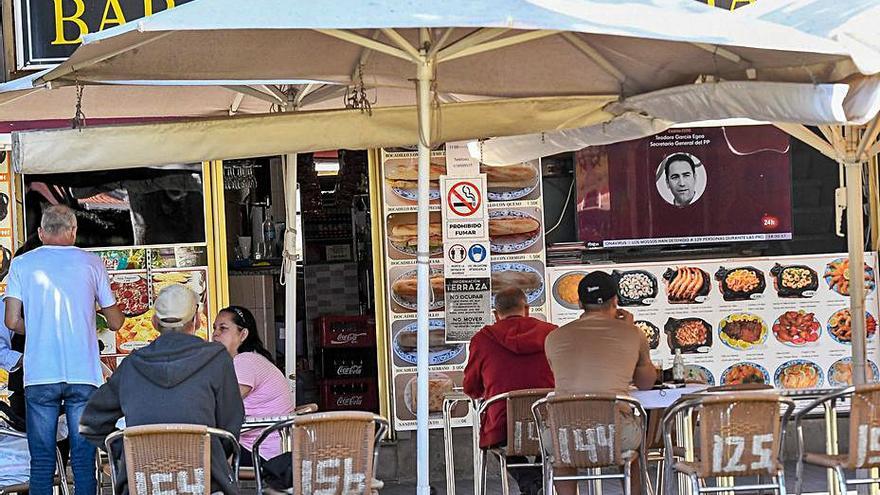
column 424, row 81
column 855, row 237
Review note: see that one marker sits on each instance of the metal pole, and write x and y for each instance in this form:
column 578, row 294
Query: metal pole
column 424, row 81
column 855, row 238
column 289, row 268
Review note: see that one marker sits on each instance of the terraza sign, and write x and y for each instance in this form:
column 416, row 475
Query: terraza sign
column 48, row 31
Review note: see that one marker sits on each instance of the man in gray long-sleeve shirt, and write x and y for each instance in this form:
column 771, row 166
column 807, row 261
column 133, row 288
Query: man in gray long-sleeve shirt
column 179, row 378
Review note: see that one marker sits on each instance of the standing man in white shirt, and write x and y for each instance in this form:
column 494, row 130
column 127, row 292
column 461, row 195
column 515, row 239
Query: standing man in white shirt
column 51, row 295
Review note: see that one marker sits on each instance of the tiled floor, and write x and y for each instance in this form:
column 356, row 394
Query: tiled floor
column 814, row 480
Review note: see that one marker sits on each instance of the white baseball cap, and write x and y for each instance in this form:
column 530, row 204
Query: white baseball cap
column 176, row 306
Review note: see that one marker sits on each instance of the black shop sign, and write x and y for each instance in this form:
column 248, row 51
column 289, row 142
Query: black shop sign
column 48, row 31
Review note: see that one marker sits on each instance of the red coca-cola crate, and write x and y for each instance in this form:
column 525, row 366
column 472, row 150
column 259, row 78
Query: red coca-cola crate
column 346, row 331
column 350, row 395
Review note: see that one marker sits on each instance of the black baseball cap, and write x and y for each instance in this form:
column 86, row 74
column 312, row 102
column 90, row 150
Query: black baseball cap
column 596, row 288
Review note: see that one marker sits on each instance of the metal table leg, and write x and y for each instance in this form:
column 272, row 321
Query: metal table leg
column 449, row 403
column 831, row 447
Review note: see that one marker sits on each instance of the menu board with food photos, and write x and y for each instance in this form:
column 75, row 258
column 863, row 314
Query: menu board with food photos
column 7, row 222
column 516, row 235
column 137, row 275
column 7, row 237
column 782, row 321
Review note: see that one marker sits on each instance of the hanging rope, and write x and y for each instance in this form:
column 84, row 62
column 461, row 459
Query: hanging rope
column 79, row 117
column 356, row 97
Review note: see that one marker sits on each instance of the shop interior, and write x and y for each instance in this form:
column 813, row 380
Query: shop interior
column 335, row 334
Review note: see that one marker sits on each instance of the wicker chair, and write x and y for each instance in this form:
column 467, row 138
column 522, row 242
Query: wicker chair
column 60, row 479
column 741, row 434
column 246, row 473
column 334, row 452
column 864, row 436
column 522, row 433
column 580, row 432
column 168, row 453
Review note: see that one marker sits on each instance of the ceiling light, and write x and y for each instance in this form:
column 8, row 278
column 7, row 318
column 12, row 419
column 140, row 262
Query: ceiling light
column 327, row 167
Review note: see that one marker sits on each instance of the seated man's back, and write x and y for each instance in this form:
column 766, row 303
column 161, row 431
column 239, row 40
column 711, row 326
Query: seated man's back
column 506, row 356
column 178, row 378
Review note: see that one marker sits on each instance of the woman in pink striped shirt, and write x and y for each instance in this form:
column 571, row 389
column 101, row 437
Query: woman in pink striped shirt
column 264, row 389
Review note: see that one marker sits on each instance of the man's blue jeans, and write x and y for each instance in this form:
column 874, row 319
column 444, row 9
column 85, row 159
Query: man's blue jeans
column 44, row 404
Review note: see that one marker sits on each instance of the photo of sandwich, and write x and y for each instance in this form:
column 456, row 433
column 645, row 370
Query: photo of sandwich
column 405, row 287
column 439, row 384
column 512, row 231
column 439, row 351
column 518, row 275
column 402, row 175
column 511, row 182
column 402, row 231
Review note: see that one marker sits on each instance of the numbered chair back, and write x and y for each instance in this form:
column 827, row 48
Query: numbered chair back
column 584, row 431
column 864, row 427
column 740, row 434
column 169, row 458
column 522, row 431
column 335, row 452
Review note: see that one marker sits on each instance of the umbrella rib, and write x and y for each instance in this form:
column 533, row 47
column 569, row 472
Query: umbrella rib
column 366, row 42
column 591, row 53
column 236, row 103
column 801, row 132
column 516, row 39
column 870, row 135
column 476, row 37
column 61, row 72
column 401, row 42
column 442, row 41
column 275, row 91
column 251, row 91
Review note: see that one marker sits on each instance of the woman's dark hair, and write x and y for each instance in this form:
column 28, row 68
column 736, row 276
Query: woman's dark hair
column 245, row 319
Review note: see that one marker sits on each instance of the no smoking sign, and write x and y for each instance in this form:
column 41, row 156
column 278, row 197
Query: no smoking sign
column 464, row 199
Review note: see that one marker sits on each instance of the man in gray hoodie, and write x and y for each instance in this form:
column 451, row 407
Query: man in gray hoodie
column 178, row 378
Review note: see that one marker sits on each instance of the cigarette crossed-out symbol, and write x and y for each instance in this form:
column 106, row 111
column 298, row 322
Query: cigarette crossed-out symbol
column 464, row 199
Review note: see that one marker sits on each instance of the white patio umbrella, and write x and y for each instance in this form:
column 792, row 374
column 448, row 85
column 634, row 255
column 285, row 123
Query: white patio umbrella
column 502, row 49
column 851, row 142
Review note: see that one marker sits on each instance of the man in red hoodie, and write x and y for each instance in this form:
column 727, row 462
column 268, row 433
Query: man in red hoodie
column 508, row 355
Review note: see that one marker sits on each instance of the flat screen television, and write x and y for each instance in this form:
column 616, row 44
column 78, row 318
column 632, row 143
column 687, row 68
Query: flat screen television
column 686, row 186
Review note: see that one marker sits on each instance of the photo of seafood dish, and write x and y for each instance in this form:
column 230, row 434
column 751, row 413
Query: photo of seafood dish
column 519, row 275
column 510, row 182
column 840, row 326
column 402, row 176
column 565, row 290
column 439, row 351
column 686, row 285
column 840, row 373
column 512, row 231
column 694, row 373
column 797, row 328
column 837, row 276
column 742, row 331
column 404, row 290
column 404, row 237
column 652, row 333
column 745, row 372
column 740, row 284
column 798, row 374
column 691, row 335
column 439, row 384
column 795, row 280
column 635, row 288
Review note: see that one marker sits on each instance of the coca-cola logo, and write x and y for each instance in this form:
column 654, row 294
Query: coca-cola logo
column 350, row 400
column 347, row 338
column 354, row 369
